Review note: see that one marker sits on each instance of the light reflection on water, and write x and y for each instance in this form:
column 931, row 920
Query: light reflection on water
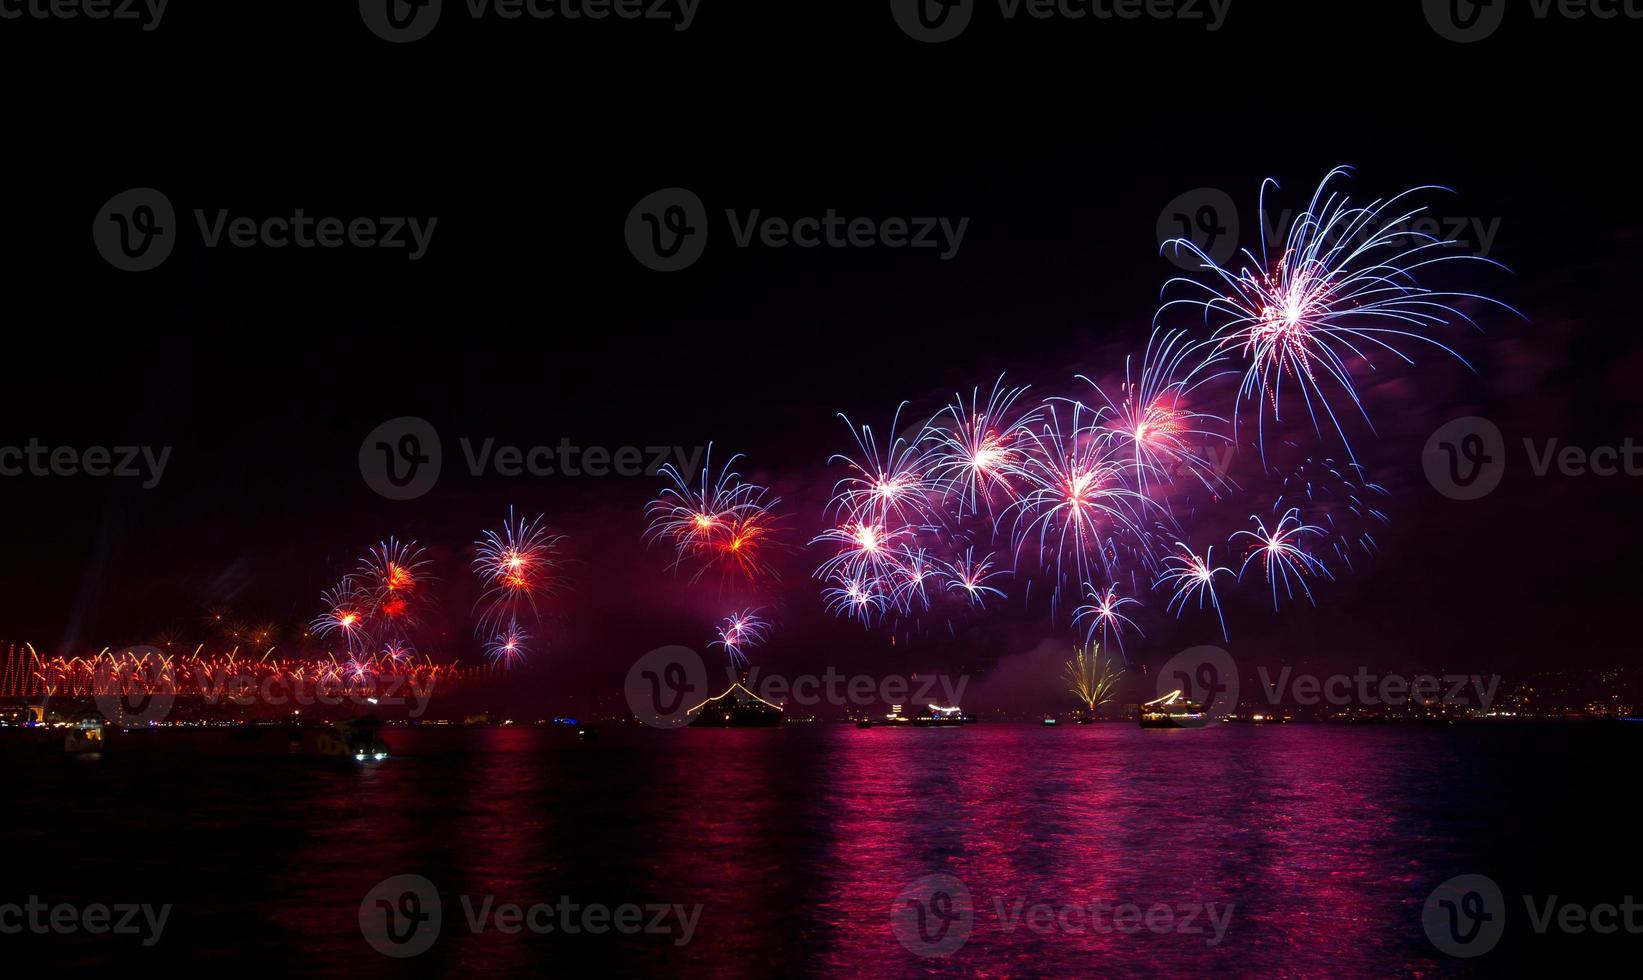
column 1318, row 843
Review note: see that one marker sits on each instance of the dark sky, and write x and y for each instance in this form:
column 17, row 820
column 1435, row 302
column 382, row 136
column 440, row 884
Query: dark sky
column 530, row 322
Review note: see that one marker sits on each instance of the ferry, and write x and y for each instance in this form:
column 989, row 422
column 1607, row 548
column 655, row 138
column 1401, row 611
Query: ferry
column 1172, row 710
column 737, row 707
column 933, row 716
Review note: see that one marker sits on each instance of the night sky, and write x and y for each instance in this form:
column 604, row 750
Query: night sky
column 529, row 322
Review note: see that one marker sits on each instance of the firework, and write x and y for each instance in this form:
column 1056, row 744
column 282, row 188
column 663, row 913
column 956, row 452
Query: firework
column 1151, row 416
column 740, row 632
column 862, row 549
column 1343, row 290
column 883, row 488
column 855, row 596
column 517, row 566
column 1193, row 576
column 1094, row 681
column 395, row 652
column 345, row 616
column 970, row 577
column 693, row 519
column 1337, row 499
column 909, row 574
column 390, row 578
column 508, row 647
column 723, row 521
column 1281, row 555
column 1078, row 497
column 1106, row 614
column 748, row 538
column 974, row 449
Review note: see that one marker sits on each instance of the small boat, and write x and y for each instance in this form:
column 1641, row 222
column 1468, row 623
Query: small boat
column 358, row 739
column 1051, row 721
column 85, row 737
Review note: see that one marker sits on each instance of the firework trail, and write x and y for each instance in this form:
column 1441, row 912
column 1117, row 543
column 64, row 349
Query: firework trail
column 1340, row 502
column 1343, row 290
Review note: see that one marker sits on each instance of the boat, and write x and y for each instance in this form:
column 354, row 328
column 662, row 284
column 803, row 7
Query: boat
column 84, row 737
column 933, row 716
column 737, row 707
column 358, row 739
column 1172, row 710
column 1051, row 722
